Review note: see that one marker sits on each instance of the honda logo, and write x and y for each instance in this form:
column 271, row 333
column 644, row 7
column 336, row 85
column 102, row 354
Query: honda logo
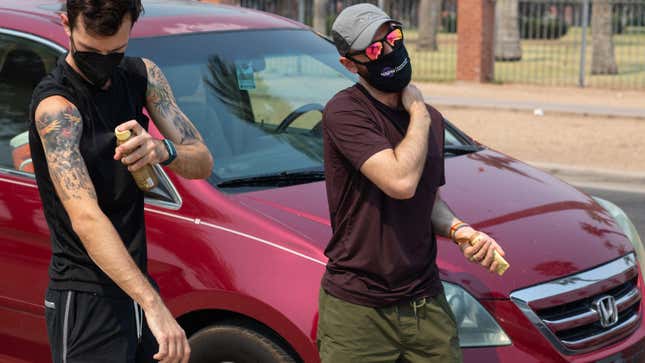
column 606, row 308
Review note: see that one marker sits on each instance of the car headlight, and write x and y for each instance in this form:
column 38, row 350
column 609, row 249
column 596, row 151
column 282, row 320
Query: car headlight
column 626, row 225
column 476, row 326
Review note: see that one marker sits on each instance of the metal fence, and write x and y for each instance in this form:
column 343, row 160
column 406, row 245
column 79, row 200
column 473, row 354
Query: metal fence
column 431, row 63
column 597, row 43
column 580, row 42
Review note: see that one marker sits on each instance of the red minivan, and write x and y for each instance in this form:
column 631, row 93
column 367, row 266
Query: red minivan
column 239, row 257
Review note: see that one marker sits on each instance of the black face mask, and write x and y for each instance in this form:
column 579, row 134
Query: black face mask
column 96, row 67
column 391, row 73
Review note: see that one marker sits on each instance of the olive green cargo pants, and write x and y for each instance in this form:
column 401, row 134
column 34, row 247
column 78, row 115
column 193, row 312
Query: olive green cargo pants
column 400, row 333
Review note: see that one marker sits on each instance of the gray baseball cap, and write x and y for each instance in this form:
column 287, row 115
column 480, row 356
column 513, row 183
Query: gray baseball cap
column 356, row 25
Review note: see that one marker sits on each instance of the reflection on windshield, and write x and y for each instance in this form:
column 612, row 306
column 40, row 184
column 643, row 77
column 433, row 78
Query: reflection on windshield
column 222, row 82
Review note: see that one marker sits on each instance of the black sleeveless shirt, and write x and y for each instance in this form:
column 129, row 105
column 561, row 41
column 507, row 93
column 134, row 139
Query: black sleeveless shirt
column 118, row 196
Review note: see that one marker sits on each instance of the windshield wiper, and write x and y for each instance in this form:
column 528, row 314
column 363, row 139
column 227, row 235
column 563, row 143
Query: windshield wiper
column 461, row 149
column 277, row 179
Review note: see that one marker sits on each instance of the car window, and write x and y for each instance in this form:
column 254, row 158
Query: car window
column 276, row 89
column 23, row 63
column 451, row 138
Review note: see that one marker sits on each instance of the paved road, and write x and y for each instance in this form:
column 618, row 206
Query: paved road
column 632, row 203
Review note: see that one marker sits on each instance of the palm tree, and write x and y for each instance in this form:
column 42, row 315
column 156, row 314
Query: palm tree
column 429, row 16
column 222, row 82
column 603, row 60
column 507, row 31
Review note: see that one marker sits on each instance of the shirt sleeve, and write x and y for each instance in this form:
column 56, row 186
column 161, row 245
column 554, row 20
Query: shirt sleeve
column 442, row 177
column 439, row 130
column 353, row 132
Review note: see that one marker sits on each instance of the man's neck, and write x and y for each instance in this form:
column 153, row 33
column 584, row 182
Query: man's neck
column 392, row 100
column 70, row 60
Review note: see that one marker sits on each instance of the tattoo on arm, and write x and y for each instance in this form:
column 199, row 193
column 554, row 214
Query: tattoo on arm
column 60, row 132
column 161, row 99
column 442, row 217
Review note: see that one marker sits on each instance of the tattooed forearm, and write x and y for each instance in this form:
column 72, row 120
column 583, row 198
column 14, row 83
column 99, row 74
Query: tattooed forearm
column 193, row 161
column 186, row 128
column 442, row 217
column 161, row 99
column 60, row 132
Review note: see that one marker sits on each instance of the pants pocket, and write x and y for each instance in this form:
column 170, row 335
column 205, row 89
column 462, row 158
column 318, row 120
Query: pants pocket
column 351, row 333
column 321, row 314
column 53, row 323
column 50, row 304
column 441, row 298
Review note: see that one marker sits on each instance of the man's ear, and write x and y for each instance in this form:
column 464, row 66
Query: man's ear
column 64, row 20
column 349, row 65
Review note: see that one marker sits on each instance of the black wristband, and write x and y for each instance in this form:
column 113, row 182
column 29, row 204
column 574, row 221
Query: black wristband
column 172, row 152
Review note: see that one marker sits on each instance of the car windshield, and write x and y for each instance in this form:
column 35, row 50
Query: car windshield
column 256, row 97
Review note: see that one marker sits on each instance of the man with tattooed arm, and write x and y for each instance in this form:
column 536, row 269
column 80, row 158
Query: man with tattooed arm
column 101, row 305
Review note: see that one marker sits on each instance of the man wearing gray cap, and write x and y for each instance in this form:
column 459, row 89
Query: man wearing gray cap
column 381, row 298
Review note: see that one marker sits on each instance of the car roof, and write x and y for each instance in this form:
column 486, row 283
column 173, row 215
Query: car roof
column 165, row 17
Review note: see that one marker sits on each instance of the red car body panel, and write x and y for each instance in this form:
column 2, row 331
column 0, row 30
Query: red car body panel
column 525, row 223
column 260, row 254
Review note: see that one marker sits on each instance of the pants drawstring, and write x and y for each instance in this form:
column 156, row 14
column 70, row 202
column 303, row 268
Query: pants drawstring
column 418, row 305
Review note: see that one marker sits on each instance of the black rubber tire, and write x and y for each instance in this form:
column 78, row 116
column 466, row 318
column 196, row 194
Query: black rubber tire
column 235, row 343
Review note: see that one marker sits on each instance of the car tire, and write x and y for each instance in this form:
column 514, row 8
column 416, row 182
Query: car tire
column 235, row 343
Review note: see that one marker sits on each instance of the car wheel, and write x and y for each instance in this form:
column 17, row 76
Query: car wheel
column 235, row 343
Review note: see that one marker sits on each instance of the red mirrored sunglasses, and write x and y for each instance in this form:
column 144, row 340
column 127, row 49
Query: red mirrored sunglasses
column 374, row 51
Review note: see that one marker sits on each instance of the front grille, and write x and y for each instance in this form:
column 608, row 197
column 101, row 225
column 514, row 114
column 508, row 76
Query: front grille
column 564, row 310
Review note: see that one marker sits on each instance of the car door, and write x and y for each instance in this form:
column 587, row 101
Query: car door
column 24, row 236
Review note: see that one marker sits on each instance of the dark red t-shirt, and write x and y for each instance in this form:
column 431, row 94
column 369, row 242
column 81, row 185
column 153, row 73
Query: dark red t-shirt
column 383, row 250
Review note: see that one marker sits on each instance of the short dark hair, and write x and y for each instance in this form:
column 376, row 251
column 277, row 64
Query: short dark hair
column 103, row 17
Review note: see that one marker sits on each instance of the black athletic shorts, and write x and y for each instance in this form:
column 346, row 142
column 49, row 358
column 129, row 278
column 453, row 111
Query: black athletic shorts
column 87, row 327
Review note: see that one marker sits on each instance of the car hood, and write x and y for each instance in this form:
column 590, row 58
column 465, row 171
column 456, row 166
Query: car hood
column 547, row 228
